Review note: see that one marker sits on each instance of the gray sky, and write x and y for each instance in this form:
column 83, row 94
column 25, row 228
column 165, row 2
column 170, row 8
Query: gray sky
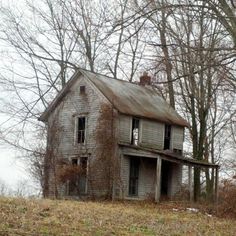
column 12, row 170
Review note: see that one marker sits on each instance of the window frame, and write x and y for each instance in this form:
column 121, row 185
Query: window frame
column 76, row 132
column 135, row 141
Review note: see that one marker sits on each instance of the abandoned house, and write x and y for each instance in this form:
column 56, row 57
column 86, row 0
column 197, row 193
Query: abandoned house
column 112, row 138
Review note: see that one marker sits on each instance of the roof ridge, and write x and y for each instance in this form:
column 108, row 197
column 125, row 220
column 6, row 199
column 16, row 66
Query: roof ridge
column 125, row 81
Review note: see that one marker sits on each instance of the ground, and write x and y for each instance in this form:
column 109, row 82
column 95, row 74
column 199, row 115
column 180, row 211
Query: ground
column 53, row 217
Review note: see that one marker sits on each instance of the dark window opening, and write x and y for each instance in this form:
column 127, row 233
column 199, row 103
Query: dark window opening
column 83, row 165
column 82, row 89
column 178, row 151
column 81, row 130
column 134, row 176
column 74, row 161
column 135, row 131
column 167, row 137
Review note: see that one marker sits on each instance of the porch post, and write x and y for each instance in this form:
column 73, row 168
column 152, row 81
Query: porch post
column 190, row 183
column 216, row 184
column 158, row 180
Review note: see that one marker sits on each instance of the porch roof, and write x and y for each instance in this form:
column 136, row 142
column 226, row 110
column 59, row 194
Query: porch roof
column 165, row 154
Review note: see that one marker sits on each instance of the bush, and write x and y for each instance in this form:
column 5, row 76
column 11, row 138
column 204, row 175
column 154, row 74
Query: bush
column 227, row 199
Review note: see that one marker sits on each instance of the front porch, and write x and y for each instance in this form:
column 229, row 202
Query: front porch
column 153, row 174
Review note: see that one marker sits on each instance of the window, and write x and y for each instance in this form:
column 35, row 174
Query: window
column 81, row 129
column 82, row 89
column 74, row 161
column 178, row 151
column 167, row 137
column 133, row 176
column 83, row 164
column 135, row 131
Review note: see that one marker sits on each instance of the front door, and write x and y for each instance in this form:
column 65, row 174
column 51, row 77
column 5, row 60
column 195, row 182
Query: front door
column 134, row 176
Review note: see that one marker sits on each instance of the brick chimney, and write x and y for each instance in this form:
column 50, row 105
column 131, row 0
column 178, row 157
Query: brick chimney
column 145, row 79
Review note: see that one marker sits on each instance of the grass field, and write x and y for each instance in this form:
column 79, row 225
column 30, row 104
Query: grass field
column 53, row 217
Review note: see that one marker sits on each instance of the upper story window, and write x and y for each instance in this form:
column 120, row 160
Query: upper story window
column 82, row 89
column 81, row 125
column 135, row 131
column 167, row 137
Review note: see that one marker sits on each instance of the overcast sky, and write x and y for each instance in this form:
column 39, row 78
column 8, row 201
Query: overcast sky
column 12, row 168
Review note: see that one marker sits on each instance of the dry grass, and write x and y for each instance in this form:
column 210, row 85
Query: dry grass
column 51, row 217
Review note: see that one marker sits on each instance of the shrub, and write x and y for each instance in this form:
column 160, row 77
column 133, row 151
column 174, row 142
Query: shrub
column 227, row 199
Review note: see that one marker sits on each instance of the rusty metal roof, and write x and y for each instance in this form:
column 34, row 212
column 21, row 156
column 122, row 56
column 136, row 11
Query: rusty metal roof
column 136, row 100
column 128, row 98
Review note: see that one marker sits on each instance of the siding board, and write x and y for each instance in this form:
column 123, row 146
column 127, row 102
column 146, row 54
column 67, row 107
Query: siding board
column 177, row 137
column 125, row 129
column 152, row 134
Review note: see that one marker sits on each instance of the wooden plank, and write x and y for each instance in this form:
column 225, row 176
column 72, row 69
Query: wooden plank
column 158, row 180
column 190, row 183
column 216, row 185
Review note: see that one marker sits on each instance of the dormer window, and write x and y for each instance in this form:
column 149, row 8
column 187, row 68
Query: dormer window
column 135, row 131
column 82, row 89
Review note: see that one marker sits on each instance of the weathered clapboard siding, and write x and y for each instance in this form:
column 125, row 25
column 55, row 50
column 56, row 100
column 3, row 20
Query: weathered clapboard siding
column 176, row 179
column 64, row 118
column 147, row 178
column 125, row 123
column 177, row 137
column 124, row 173
column 152, row 134
column 146, row 183
column 87, row 105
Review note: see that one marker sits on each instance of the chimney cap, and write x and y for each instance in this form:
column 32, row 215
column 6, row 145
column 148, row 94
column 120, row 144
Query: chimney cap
column 145, row 79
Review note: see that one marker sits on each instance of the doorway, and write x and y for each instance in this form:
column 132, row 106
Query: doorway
column 166, row 174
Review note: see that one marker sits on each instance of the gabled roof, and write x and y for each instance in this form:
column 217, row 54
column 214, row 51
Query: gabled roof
column 128, row 98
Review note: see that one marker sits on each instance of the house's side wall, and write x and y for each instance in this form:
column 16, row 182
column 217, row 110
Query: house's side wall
column 177, row 137
column 66, row 113
column 152, row 134
column 63, row 141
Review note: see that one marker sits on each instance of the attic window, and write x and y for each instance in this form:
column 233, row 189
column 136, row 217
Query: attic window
column 82, row 89
column 135, row 131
